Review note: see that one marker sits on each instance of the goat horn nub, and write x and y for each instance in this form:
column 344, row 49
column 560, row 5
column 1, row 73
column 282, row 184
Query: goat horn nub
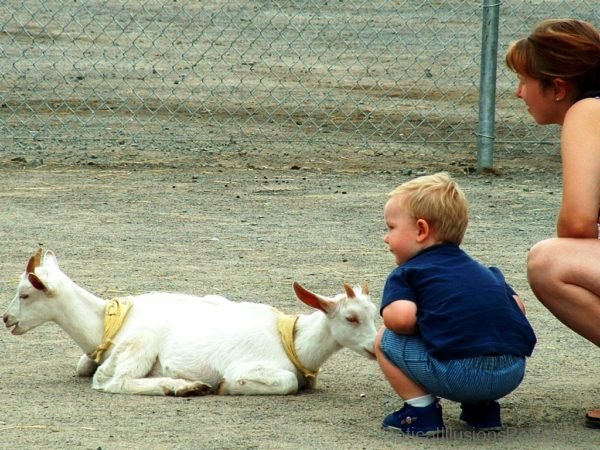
column 349, row 291
column 34, row 261
column 365, row 288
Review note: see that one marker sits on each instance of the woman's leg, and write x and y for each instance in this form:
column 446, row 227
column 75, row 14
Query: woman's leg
column 564, row 274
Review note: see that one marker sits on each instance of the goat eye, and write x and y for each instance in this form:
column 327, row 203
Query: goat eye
column 352, row 319
column 24, row 296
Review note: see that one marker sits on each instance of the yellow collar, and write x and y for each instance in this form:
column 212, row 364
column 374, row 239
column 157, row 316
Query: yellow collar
column 286, row 326
column 114, row 315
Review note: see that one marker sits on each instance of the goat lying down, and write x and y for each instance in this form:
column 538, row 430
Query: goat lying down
column 181, row 345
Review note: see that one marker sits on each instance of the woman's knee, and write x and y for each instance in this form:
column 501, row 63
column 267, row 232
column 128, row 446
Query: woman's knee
column 539, row 261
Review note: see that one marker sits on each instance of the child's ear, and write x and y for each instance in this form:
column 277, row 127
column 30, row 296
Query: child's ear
column 423, row 230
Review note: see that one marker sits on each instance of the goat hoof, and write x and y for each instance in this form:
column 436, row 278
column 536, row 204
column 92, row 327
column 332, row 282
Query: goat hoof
column 194, row 389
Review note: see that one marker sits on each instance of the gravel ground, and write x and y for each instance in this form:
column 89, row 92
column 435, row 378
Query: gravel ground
column 241, row 227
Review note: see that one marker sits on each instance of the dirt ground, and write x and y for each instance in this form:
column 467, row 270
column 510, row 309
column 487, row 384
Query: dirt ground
column 247, row 226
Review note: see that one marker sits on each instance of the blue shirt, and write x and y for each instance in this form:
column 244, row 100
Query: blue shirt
column 464, row 309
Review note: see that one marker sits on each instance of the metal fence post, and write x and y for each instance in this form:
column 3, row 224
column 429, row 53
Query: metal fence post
column 487, row 84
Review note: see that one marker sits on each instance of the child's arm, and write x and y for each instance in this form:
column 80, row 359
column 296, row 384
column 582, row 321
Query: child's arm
column 520, row 304
column 400, row 317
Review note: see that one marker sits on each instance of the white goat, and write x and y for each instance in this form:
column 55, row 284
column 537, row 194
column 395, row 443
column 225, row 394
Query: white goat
column 181, row 345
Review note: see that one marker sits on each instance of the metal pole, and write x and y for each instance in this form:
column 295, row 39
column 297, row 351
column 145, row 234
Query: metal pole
column 487, row 84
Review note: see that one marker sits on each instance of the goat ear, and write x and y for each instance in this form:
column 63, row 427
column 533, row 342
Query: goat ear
column 313, row 300
column 36, row 282
column 34, row 261
column 50, row 259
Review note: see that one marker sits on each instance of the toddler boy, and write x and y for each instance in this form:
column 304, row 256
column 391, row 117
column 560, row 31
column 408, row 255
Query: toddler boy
column 453, row 328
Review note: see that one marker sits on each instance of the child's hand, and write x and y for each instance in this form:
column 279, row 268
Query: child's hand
column 520, row 304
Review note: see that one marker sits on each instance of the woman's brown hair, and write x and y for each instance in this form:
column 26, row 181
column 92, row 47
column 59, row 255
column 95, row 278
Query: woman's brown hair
column 559, row 48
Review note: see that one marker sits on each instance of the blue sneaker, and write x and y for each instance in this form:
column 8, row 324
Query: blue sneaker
column 426, row 421
column 484, row 416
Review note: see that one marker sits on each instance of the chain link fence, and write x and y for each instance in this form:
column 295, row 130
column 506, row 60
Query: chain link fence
column 157, row 72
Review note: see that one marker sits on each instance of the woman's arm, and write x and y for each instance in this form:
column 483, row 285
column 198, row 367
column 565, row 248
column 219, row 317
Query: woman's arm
column 580, row 149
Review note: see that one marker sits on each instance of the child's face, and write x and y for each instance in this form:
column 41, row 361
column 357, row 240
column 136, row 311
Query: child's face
column 403, row 235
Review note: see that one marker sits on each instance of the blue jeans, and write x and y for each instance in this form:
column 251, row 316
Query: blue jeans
column 467, row 380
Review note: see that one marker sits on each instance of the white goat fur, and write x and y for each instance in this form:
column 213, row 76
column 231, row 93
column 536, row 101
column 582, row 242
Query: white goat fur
column 176, row 344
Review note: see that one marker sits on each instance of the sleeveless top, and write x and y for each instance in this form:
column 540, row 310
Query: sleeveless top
column 591, row 94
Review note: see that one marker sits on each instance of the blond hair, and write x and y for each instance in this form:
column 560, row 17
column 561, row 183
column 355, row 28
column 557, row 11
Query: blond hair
column 439, row 200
